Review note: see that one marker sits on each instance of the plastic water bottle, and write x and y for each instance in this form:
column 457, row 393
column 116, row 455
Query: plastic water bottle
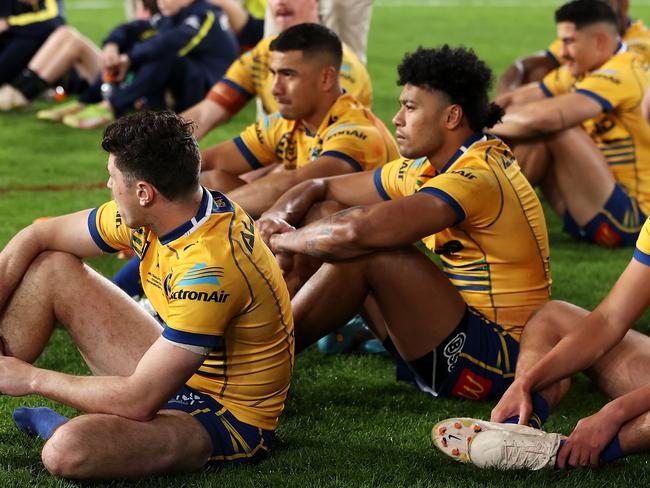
column 108, row 85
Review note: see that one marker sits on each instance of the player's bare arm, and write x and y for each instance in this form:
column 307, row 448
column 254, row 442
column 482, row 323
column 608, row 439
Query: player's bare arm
column 160, row 372
column 221, row 166
column 596, row 334
column 206, row 115
column 259, row 195
column 546, row 116
column 361, row 230
column 68, row 233
column 523, row 71
column 349, row 190
column 526, row 94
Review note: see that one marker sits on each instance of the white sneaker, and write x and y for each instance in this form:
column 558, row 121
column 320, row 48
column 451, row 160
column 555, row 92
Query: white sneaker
column 11, row 99
column 493, row 445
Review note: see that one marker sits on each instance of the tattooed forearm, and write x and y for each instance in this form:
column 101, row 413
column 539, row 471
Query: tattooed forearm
column 327, row 239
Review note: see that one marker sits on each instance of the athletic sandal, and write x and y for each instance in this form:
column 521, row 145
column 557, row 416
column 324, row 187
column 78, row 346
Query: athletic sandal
column 91, row 117
column 56, row 114
column 493, row 445
column 11, row 99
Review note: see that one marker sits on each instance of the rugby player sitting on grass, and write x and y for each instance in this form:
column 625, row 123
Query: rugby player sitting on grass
column 580, row 133
column 204, row 389
column 458, row 193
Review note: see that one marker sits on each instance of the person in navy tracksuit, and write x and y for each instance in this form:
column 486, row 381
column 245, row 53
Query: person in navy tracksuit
column 24, row 27
column 186, row 50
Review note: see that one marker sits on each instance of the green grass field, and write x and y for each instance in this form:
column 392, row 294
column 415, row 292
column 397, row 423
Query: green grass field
column 347, row 422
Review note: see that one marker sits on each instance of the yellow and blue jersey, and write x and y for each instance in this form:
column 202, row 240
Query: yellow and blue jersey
column 215, row 284
column 636, row 36
column 249, row 76
column 497, row 252
column 349, row 131
column 642, row 251
column 32, row 17
column 620, row 131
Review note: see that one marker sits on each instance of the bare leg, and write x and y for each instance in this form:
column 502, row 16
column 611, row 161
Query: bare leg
column 112, row 333
column 542, row 332
column 110, row 330
column 64, row 49
column 107, row 446
column 581, row 172
column 419, row 303
column 534, row 159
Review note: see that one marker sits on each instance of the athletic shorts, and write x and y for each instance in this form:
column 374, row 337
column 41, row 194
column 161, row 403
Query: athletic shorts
column 476, row 361
column 233, row 441
column 617, row 225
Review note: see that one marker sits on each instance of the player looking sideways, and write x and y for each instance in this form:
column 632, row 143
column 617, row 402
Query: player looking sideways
column 458, row 191
column 204, row 389
column 580, row 134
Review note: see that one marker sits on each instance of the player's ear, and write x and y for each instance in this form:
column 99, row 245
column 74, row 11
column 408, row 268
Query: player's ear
column 329, row 77
column 453, row 116
column 145, row 193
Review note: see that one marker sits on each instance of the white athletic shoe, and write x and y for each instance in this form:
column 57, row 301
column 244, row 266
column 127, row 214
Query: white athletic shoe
column 493, row 445
column 11, row 99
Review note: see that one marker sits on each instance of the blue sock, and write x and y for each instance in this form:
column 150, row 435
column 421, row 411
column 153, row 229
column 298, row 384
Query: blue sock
column 128, row 278
column 612, row 451
column 541, row 411
column 41, row 421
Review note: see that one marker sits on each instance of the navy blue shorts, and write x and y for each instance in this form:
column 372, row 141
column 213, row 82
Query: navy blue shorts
column 476, row 361
column 617, row 225
column 233, row 441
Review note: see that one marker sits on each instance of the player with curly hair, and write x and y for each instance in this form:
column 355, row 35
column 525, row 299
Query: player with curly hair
column 456, row 192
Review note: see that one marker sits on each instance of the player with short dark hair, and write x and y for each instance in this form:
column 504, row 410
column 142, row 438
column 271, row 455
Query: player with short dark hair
column 457, row 193
column 249, row 77
column 318, row 131
column 533, row 68
column 580, row 133
column 204, row 389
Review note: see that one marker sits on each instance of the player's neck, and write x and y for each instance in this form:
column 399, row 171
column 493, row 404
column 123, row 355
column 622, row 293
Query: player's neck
column 452, row 142
column 170, row 215
column 314, row 121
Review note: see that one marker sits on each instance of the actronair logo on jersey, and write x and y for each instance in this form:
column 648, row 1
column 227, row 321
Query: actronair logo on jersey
column 199, row 274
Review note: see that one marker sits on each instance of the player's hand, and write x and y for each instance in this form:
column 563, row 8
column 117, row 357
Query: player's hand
column 588, row 440
column 516, row 400
column 122, row 67
column 15, row 375
column 4, row 25
column 110, row 58
column 267, row 226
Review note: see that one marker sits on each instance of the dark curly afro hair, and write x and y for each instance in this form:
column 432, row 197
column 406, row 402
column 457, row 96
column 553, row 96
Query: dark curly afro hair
column 458, row 73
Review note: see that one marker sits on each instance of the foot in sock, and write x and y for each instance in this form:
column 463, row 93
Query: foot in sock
column 41, row 421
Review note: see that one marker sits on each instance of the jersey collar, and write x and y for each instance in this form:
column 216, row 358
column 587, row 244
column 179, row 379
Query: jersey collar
column 478, row 137
column 205, row 210
column 621, row 48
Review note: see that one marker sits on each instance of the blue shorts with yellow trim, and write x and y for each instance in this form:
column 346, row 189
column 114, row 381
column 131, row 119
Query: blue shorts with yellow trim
column 233, row 441
column 617, row 225
column 476, row 361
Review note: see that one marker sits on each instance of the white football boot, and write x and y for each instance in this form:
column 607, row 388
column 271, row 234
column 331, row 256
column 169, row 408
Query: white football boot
column 493, row 445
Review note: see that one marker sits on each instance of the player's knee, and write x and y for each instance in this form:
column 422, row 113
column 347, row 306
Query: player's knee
column 64, row 455
column 51, row 265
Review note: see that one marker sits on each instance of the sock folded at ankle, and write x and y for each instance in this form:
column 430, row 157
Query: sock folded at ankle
column 541, row 411
column 41, row 421
column 29, row 84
